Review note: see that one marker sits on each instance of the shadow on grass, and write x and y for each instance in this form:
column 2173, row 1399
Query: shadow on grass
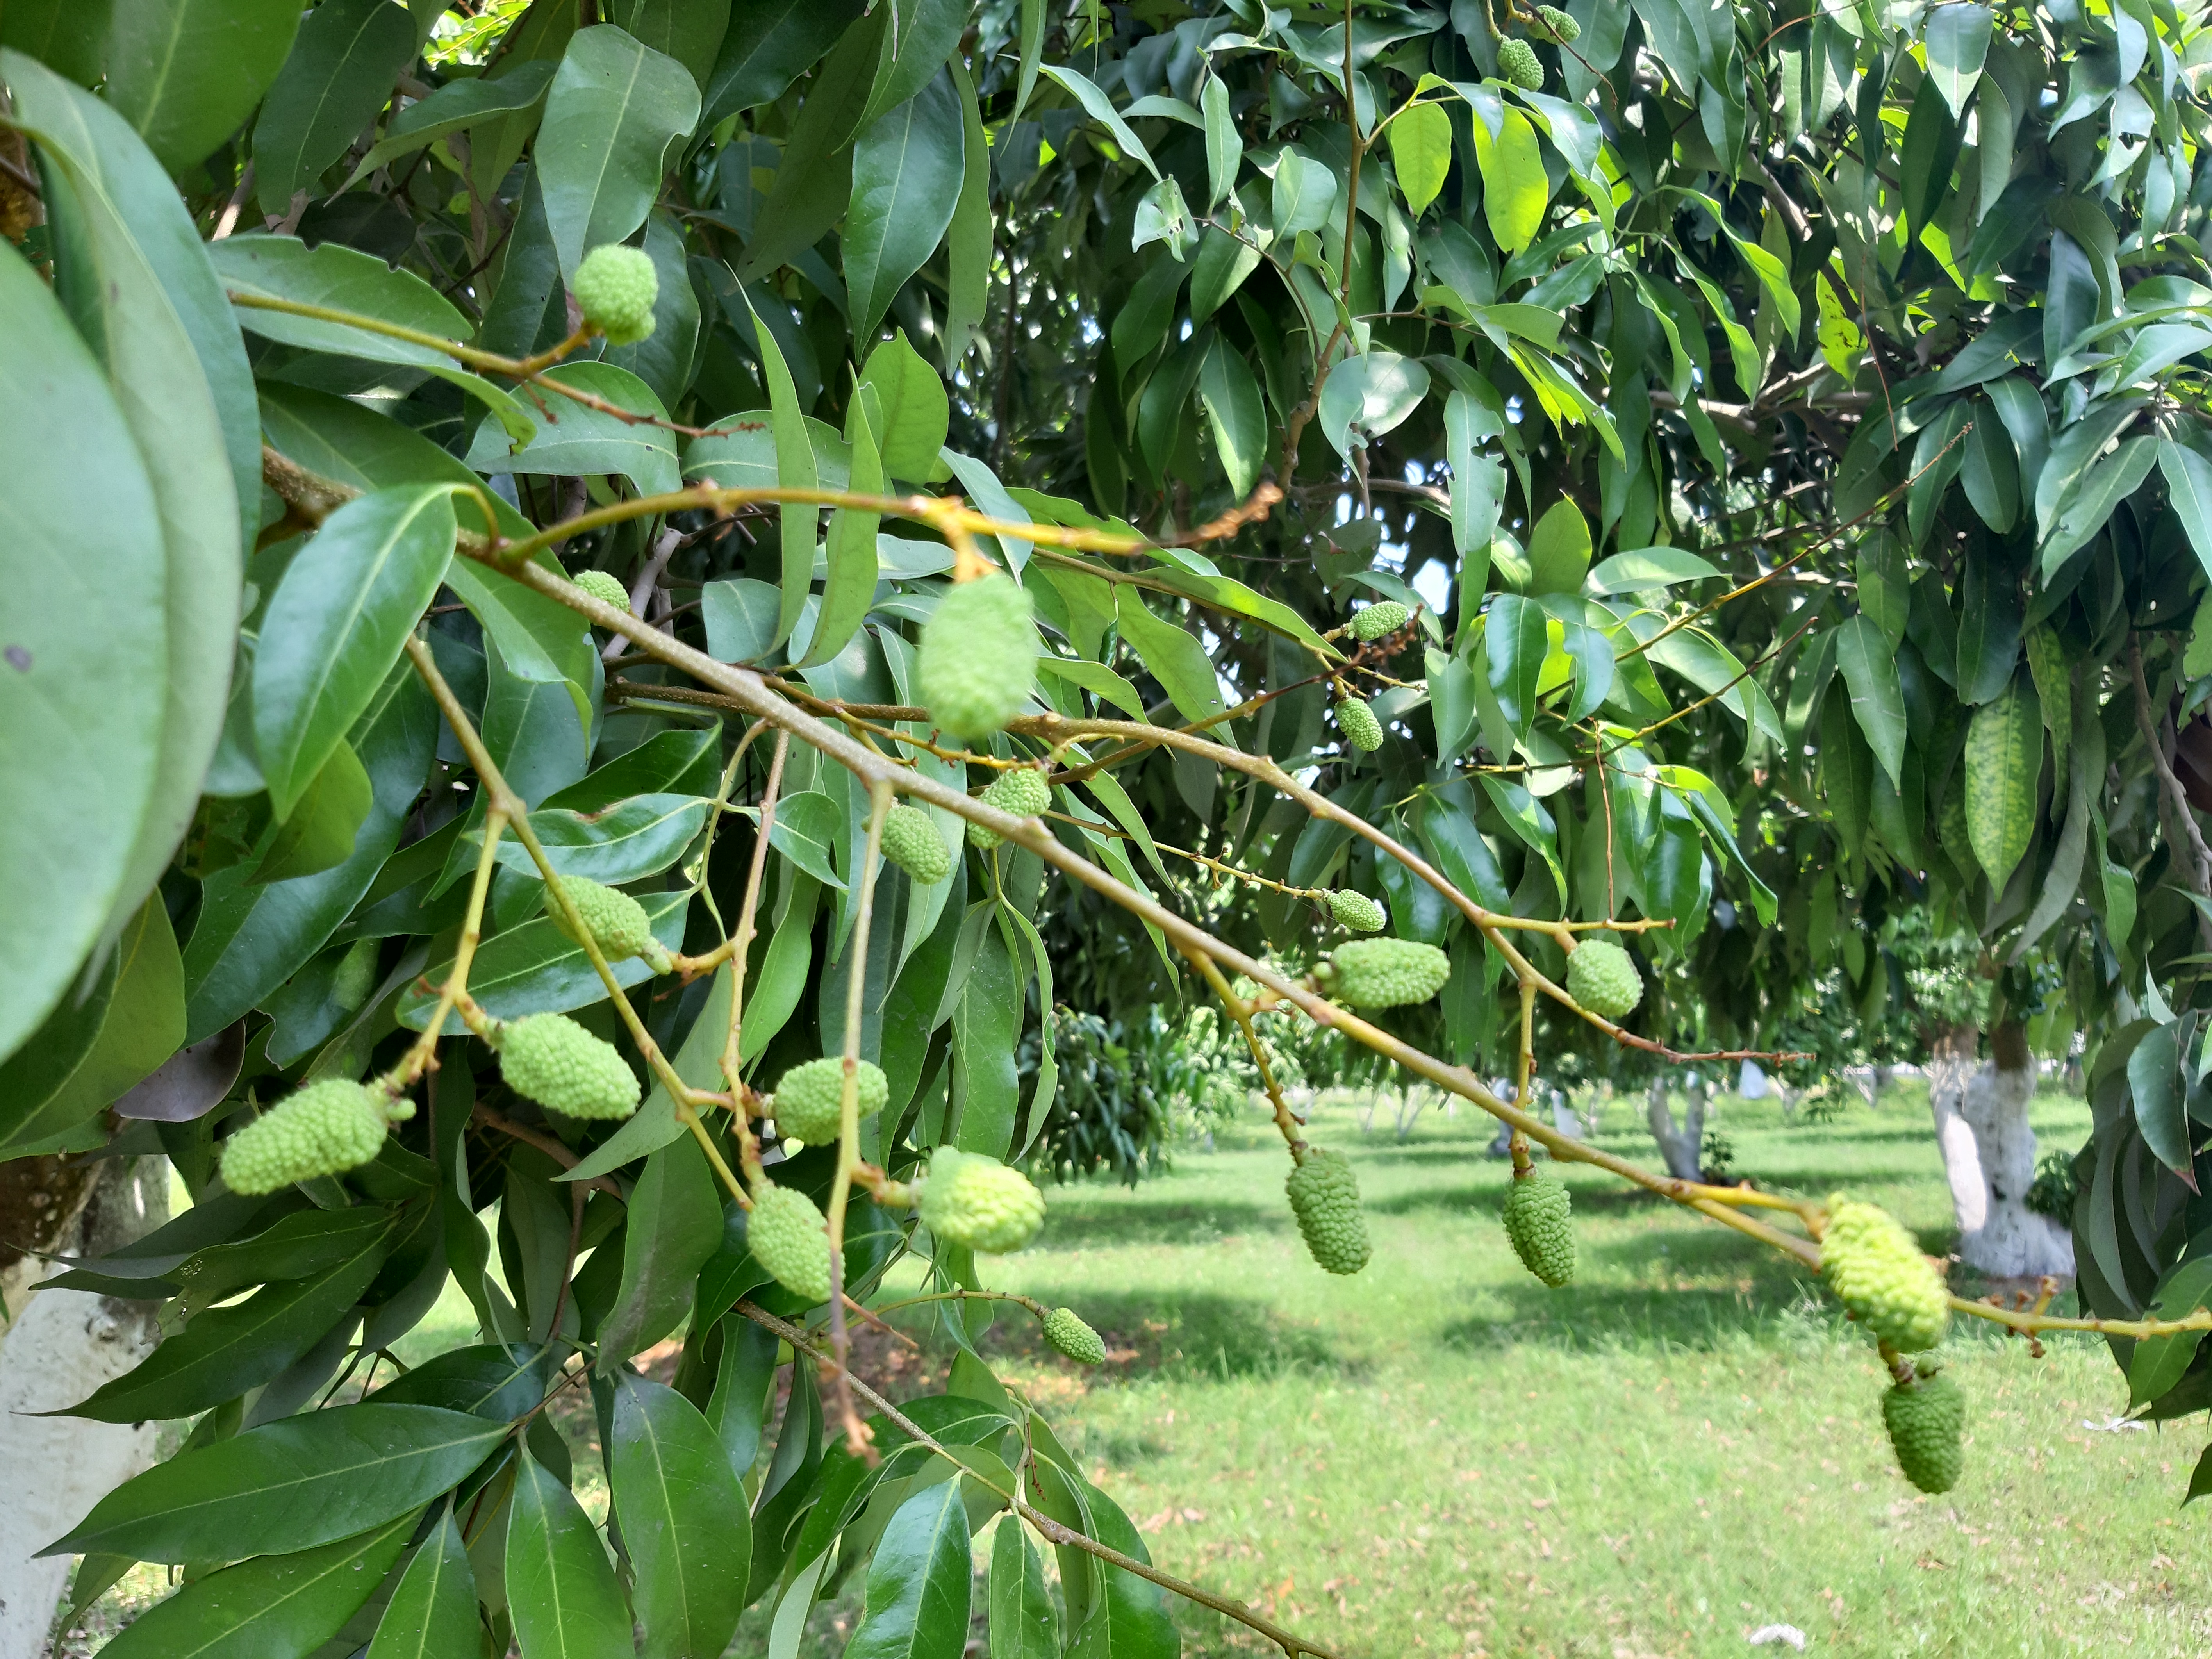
column 1597, row 1321
column 1184, row 1336
column 1071, row 1223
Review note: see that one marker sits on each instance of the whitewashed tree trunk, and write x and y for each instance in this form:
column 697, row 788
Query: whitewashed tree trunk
column 60, row 1346
column 1988, row 1154
column 1680, row 1146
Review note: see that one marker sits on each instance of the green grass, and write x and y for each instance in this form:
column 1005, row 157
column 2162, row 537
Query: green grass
column 1441, row 1456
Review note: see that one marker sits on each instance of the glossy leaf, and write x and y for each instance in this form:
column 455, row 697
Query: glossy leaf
column 1235, row 413
column 2004, row 761
column 1420, row 148
column 767, row 47
column 433, row 1613
column 2154, row 1090
column 684, row 1521
column 906, row 179
column 623, row 841
column 1174, row 657
column 185, row 73
column 80, row 748
column 560, row 1585
column 499, row 1381
column 288, row 1484
column 1870, row 669
column 338, row 75
column 335, row 278
column 614, row 109
column 535, row 969
column 848, row 585
column 1022, row 1623
column 1515, row 188
column 916, row 1605
column 577, row 439
column 909, row 412
column 675, row 1224
column 1516, row 642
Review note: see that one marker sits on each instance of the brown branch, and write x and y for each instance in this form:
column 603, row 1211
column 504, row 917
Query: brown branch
column 545, row 1143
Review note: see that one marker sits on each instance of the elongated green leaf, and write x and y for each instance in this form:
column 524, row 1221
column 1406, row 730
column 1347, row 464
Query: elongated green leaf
column 848, row 585
column 338, row 75
column 1130, row 1621
column 1100, row 108
column 41, row 1068
column 908, row 174
column 455, row 105
column 500, row 1381
column 581, row 440
column 1173, row 657
column 908, row 411
column 918, row 1584
column 1517, row 643
column 336, row 278
column 674, row 1223
column 615, row 107
column 2155, row 1091
column 1235, row 413
column 1304, row 197
column 79, row 745
column 275, row 1607
column 622, row 843
column 2189, row 485
column 560, row 1585
column 1022, row 1624
column 185, row 73
column 336, row 625
column 986, row 1024
column 2004, row 761
column 684, row 1521
column 535, row 968
column 433, row 1614
column 654, row 1124
column 1870, row 669
column 770, row 43
column 1515, row 188
column 1958, row 39
column 1421, row 147
column 1559, row 551
column 815, row 180
column 288, row 1484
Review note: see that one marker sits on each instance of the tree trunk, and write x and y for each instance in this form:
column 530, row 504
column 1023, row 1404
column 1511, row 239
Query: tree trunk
column 1681, row 1148
column 60, row 1346
column 1989, row 1153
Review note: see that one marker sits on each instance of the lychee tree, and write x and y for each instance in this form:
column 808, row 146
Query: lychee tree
column 603, row 602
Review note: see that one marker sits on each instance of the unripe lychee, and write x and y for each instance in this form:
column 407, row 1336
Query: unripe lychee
column 615, row 921
column 616, row 287
column 1382, row 973
column 1602, row 977
column 1561, row 26
column 786, row 1236
column 1517, row 63
column 1356, row 911
column 324, row 1129
column 1878, row 1273
column 1325, row 1198
column 1067, row 1332
column 979, row 652
column 809, row 1097
column 1023, row 791
column 1927, row 1419
column 1357, row 723
column 976, row 1201
column 551, row 1059
column 1372, row 623
column 1538, row 1221
column 911, row 842
column 603, row 587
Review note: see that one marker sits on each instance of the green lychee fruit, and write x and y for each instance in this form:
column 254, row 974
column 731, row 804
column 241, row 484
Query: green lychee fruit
column 1926, row 1418
column 1517, row 63
column 809, row 1097
column 616, row 287
column 788, row 1238
column 1067, row 1332
column 1022, row 792
column 1383, row 973
column 1357, row 723
column 1602, row 977
column 1325, row 1198
column 615, row 921
column 324, row 1129
column 1356, row 911
column 1543, row 1232
column 551, row 1059
column 603, row 587
column 1376, row 621
column 1877, row 1271
column 911, row 842
column 979, row 652
column 1561, row 27
column 976, row 1201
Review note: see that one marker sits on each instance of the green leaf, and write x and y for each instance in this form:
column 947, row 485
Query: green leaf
column 1515, row 188
column 1304, row 194
column 2154, row 1090
column 535, row 968
column 225, row 1351
column 1130, row 1622
column 908, row 174
column 1870, row 669
column 289, row 1485
column 1021, row 1622
column 684, row 1521
column 336, row 622
column 623, row 843
column 663, row 358
column 339, row 74
column 324, row 821
column 454, row 106
column 1224, row 146
column 498, row 1381
column 1370, row 395
column 43, row 1065
column 560, row 1586
column 1958, row 41
column 767, row 46
column 615, row 110
column 2089, row 506
column 908, row 410
column 815, row 178
column 986, row 1025
column 1651, row 567
column 338, row 278
column 1230, row 393
column 2003, row 762
column 433, row 1613
column 250, row 939
column 1420, row 149
column 537, row 638
column 848, row 585
column 968, row 240
column 674, row 1223
column 186, row 73
column 1173, row 657
column 1100, row 108
column 795, row 469
column 1559, row 551
column 1517, row 641
column 275, row 1607
column 79, row 740
column 581, row 440
column 1847, row 766
column 2188, row 487
column 918, row 1584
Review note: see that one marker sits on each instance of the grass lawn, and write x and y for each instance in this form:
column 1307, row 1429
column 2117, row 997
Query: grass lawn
column 1441, row 1455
